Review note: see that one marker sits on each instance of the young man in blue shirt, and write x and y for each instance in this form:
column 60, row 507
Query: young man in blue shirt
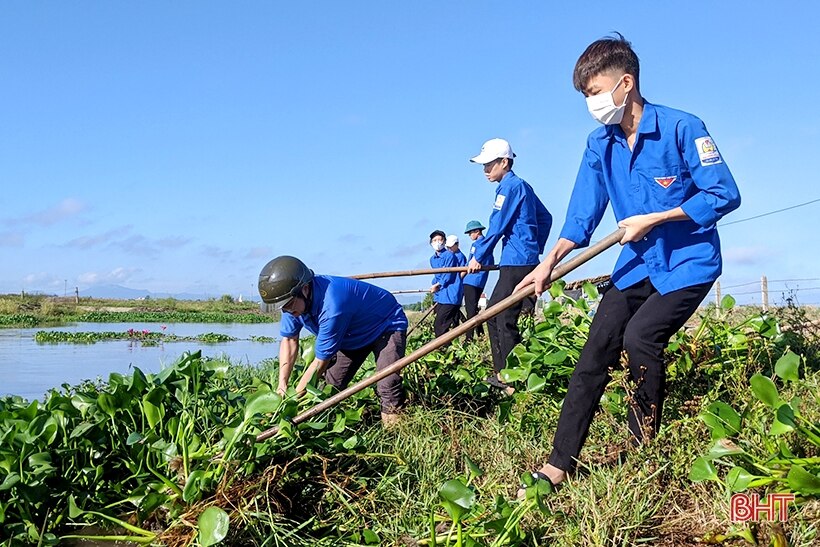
column 522, row 223
column 668, row 186
column 350, row 319
column 447, row 290
column 474, row 283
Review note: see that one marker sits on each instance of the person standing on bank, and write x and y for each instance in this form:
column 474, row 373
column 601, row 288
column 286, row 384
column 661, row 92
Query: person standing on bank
column 668, row 186
column 350, row 319
column 474, row 283
column 521, row 220
column 447, row 289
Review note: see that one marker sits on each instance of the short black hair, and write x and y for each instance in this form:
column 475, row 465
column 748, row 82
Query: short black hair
column 438, row 233
column 606, row 55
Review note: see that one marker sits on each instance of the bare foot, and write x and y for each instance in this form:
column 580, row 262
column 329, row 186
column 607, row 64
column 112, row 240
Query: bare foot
column 390, row 421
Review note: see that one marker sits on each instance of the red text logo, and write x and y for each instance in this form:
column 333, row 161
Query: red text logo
column 774, row 507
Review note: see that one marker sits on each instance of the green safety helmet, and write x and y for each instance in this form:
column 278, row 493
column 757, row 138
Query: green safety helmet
column 473, row 225
column 283, row 278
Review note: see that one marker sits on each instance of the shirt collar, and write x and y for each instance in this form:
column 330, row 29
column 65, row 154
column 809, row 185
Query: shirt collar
column 647, row 125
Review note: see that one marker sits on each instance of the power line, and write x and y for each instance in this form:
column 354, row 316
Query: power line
column 784, row 290
column 770, row 213
column 757, row 282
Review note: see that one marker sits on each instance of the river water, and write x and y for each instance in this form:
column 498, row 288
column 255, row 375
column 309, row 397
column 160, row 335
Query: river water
column 30, row 369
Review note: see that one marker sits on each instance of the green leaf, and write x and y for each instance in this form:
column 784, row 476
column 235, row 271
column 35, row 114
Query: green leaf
column 557, row 289
column 213, row 526
column 727, row 302
column 788, row 367
column 309, row 354
column 722, row 448
column 107, row 404
column 802, row 481
column 765, row 390
column 457, row 499
column 370, row 537
column 722, row 420
column 535, row 383
column 703, row 470
column 510, row 375
column 738, row 479
column 785, row 415
column 133, row 438
column 192, row 491
column 554, row 357
column 737, row 341
column 591, row 290
column 351, row 443
column 73, row 510
column 472, row 469
column 152, row 406
column 262, row 402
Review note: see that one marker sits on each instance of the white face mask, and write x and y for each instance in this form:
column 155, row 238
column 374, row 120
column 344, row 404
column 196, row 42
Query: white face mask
column 603, row 108
column 437, row 247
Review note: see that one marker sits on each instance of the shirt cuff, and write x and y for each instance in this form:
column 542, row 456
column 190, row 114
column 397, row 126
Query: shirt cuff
column 700, row 211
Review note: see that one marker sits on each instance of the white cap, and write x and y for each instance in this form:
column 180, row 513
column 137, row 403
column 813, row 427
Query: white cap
column 451, row 240
column 492, row 150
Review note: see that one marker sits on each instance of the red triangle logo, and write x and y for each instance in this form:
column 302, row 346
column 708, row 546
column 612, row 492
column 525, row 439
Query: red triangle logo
column 665, row 181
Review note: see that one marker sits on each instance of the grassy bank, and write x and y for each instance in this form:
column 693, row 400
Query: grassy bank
column 171, row 459
column 29, row 311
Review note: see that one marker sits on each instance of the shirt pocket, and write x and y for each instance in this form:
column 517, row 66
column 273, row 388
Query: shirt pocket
column 665, row 186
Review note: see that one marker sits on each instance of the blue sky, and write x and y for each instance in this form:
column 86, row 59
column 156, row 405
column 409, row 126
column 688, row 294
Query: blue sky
column 180, row 146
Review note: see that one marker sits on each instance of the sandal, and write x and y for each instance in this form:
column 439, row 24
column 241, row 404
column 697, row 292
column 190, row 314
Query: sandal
column 495, row 382
column 537, row 476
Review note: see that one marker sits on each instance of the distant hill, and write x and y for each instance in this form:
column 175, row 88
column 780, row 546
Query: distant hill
column 118, row 292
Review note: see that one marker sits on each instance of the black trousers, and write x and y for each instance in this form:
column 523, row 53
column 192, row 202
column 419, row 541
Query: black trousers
column 387, row 349
column 641, row 321
column 447, row 317
column 503, row 328
column 471, row 297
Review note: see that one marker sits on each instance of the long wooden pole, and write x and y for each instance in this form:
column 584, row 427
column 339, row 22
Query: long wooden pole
column 409, row 291
column 423, row 317
column 427, row 271
column 559, row 271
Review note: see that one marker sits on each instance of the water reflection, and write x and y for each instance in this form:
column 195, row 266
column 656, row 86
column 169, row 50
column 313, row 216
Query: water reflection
column 30, row 369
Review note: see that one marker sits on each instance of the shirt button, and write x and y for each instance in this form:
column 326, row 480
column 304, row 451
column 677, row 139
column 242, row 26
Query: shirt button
column 645, row 238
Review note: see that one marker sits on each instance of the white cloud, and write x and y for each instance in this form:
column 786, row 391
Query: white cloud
column 65, row 210
column 747, row 256
column 89, row 242
column 259, row 252
column 117, row 275
column 11, row 239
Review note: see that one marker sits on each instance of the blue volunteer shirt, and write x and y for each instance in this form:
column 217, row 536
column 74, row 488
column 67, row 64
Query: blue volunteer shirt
column 345, row 314
column 520, row 219
column 479, row 278
column 451, row 290
column 675, row 163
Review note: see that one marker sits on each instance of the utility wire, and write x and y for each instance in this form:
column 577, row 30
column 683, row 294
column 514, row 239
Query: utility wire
column 784, row 290
column 769, row 213
column 757, row 282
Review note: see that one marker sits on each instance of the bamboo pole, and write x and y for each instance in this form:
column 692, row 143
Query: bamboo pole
column 423, row 317
column 559, row 271
column 409, row 291
column 427, row 271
